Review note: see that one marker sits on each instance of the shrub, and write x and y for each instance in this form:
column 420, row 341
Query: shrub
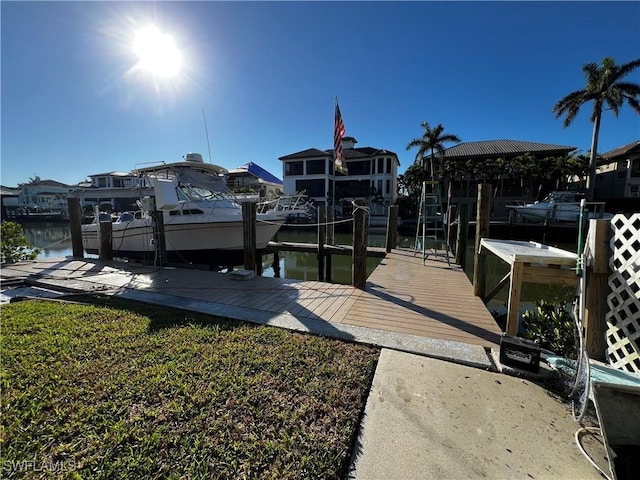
column 552, row 326
column 14, row 246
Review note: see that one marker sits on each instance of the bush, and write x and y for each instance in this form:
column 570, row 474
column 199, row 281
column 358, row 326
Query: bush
column 14, row 246
column 552, row 327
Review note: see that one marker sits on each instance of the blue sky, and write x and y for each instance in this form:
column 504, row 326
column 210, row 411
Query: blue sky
column 266, row 75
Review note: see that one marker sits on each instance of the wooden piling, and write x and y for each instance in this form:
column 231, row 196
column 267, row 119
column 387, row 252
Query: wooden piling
column 322, row 238
column 158, row 238
column 276, row 260
column 597, row 289
column 360, row 234
column 105, row 251
column 462, row 234
column 75, row 226
column 392, row 228
column 249, row 235
column 482, row 230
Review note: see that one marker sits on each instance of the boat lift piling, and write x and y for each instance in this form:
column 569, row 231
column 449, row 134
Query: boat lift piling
column 482, row 230
column 75, row 226
column 249, row 236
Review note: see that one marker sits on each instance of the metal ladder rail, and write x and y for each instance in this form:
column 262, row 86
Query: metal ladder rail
column 431, row 221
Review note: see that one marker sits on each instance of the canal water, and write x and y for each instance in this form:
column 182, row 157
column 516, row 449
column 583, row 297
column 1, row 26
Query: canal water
column 54, row 241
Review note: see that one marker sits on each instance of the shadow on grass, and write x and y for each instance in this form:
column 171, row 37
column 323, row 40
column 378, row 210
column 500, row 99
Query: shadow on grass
column 160, row 317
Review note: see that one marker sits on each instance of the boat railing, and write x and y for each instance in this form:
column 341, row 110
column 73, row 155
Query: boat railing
column 296, row 203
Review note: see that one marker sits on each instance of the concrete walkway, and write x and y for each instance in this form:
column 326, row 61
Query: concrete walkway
column 432, row 419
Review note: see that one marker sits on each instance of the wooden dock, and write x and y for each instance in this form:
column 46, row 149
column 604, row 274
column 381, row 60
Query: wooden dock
column 402, row 295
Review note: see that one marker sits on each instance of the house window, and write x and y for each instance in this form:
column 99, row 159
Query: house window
column 315, row 167
column 294, row 168
column 381, row 165
column 388, row 165
column 362, row 167
column 634, row 191
column 387, row 189
column 118, row 182
column 379, row 189
column 313, row 188
column 102, row 182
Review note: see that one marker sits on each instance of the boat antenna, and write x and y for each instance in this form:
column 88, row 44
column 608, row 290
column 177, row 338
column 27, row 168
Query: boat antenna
column 207, row 132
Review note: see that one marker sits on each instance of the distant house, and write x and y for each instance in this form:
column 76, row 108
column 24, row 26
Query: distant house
column 42, row 196
column 9, row 201
column 371, row 175
column 252, row 176
column 110, row 191
column 618, row 175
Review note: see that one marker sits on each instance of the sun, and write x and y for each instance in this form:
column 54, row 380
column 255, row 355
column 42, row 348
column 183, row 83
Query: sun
column 157, row 52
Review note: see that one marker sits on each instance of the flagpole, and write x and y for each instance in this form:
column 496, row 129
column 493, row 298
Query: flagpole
column 333, row 208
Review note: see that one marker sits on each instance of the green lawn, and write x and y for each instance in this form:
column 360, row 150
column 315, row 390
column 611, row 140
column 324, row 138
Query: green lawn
column 118, row 389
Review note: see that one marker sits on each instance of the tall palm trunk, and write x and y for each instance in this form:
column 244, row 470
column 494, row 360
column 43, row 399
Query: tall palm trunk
column 591, row 180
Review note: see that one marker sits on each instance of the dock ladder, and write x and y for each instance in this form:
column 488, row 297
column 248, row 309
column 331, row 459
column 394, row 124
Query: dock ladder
column 431, row 232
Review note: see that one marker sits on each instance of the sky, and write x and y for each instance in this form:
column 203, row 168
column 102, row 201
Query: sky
column 246, row 82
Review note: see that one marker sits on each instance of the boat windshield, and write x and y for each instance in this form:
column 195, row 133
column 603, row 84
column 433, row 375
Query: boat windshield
column 561, row 197
column 191, row 193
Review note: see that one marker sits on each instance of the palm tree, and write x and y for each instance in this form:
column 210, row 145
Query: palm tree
column 604, row 86
column 431, row 143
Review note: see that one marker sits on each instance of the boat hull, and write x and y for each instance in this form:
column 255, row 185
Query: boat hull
column 213, row 243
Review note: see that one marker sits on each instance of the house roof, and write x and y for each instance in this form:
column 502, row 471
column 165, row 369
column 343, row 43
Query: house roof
column 492, row 148
column 258, row 172
column 348, row 153
column 113, row 174
column 44, row 183
column 310, row 152
column 9, row 191
column 633, row 147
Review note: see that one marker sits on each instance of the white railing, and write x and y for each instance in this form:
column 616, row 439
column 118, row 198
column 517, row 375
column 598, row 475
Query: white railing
column 623, row 316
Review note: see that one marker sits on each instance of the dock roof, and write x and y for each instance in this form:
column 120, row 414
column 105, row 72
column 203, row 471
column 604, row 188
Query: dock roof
column 497, row 148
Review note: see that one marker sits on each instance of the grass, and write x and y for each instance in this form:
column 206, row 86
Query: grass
column 118, row 389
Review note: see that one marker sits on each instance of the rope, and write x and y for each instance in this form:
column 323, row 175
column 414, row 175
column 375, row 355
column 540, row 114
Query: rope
column 578, row 436
column 307, row 224
column 55, row 243
column 360, row 207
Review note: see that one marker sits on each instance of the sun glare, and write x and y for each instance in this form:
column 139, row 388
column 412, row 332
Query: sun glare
column 157, row 52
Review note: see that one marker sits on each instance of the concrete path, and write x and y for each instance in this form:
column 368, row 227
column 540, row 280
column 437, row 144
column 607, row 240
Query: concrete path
column 430, row 419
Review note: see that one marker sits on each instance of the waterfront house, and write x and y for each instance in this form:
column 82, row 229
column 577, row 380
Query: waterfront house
column 110, row 191
column 618, row 177
column 9, row 201
column 252, row 177
column 42, row 197
column 371, row 175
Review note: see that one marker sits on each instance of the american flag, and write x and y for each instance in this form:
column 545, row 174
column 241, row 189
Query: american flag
column 338, row 133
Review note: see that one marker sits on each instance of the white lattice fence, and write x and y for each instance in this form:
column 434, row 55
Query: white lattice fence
column 623, row 317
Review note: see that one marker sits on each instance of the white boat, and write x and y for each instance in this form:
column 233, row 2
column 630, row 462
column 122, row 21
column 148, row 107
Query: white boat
column 202, row 221
column 558, row 207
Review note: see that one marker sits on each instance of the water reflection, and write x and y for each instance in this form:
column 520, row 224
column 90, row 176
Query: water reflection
column 53, row 239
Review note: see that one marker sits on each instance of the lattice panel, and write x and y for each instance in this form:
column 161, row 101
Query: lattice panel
column 623, row 317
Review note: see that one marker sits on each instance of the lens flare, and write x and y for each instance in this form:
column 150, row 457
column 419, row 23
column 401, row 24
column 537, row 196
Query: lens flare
column 157, row 52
